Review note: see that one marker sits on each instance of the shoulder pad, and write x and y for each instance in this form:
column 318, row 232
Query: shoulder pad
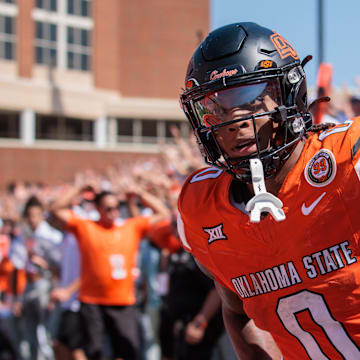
column 208, row 173
column 337, row 129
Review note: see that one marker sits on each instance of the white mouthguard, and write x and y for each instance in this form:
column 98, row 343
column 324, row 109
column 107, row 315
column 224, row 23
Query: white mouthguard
column 263, row 201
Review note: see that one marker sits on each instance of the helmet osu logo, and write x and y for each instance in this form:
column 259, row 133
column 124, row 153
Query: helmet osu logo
column 283, row 47
column 266, row 64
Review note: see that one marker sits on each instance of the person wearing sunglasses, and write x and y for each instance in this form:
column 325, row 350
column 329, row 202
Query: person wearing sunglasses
column 108, row 268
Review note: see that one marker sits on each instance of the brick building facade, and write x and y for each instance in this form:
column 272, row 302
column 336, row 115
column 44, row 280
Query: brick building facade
column 84, row 83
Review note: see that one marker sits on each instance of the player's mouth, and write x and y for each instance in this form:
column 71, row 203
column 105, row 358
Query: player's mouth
column 245, row 148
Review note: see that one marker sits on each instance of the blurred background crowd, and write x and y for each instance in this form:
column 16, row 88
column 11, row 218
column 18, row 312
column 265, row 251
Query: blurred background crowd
column 344, row 103
column 40, row 267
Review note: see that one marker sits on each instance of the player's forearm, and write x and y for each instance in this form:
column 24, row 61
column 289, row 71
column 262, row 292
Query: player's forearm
column 235, row 324
column 210, row 306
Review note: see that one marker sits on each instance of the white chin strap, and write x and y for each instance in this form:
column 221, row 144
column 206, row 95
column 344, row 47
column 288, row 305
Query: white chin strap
column 263, row 201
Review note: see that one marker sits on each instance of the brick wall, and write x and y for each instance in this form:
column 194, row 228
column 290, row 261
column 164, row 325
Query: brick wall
column 106, row 44
column 25, row 38
column 56, row 166
column 142, row 47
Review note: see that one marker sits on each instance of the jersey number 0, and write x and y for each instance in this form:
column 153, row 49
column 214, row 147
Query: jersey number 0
column 289, row 306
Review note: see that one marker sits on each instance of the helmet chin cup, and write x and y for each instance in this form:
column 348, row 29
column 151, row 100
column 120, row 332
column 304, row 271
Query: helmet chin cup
column 263, row 201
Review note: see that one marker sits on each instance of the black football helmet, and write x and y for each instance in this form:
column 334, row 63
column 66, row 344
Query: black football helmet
column 234, row 66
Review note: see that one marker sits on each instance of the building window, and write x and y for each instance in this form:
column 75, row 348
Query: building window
column 9, row 125
column 63, row 37
column 45, row 43
column 149, row 128
column 50, row 5
column 64, row 128
column 78, row 48
column 46, row 127
column 7, row 37
column 79, row 129
column 125, row 130
column 149, row 131
column 79, row 7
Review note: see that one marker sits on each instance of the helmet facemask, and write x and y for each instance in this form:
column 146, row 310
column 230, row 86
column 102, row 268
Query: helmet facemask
column 249, row 102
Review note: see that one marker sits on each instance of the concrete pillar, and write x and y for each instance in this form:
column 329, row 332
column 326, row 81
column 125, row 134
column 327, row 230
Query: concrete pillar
column 137, row 131
column 112, row 132
column 101, row 132
column 27, row 127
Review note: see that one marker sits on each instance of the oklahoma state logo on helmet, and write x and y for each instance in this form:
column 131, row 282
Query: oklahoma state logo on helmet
column 283, row 47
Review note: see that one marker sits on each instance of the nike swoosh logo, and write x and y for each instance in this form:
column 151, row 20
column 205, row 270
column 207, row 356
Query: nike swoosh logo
column 306, row 210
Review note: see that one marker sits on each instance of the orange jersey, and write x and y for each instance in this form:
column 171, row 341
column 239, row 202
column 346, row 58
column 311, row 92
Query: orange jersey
column 108, row 259
column 4, row 252
column 8, row 271
column 162, row 235
column 7, row 278
column 299, row 279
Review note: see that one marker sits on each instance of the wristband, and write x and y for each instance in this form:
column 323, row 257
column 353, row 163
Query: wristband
column 200, row 321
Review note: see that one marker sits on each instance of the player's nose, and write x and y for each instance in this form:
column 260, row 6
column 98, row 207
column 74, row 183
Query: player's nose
column 239, row 126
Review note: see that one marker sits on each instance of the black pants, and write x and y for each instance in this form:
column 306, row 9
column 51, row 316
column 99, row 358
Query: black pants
column 71, row 330
column 119, row 322
column 7, row 351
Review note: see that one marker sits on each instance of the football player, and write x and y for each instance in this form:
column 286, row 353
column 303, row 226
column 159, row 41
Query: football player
column 274, row 220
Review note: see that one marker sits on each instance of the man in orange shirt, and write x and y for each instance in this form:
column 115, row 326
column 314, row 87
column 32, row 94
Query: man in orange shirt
column 108, row 269
column 275, row 220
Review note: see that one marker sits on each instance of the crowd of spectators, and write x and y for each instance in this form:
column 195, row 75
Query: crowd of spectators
column 177, row 310
column 344, row 102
